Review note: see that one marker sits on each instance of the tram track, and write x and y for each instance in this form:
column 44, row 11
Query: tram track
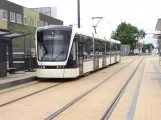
column 110, row 109
column 55, row 114
column 11, row 90
column 28, row 85
column 25, row 96
column 34, row 93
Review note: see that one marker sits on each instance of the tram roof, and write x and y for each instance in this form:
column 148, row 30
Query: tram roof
column 97, row 36
column 79, row 31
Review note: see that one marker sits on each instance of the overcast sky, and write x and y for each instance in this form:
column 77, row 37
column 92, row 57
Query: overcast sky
column 141, row 13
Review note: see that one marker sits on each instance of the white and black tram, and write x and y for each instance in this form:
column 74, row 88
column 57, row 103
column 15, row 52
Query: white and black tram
column 65, row 52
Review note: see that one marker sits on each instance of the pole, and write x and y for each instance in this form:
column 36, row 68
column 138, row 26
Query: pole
column 30, row 56
column 78, row 2
column 24, row 53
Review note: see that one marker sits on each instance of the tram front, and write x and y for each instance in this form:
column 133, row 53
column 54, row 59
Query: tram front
column 53, row 44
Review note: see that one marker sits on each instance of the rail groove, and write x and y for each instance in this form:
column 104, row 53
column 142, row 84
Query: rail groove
column 110, row 109
column 84, row 94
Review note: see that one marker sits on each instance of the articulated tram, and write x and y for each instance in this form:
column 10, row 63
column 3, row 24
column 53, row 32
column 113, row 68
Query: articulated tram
column 65, row 52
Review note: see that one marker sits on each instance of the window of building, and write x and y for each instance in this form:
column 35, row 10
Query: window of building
column 19, row 19
column 12, row 17
column 32, row 22
column 46, row 23
column 4, row 15
column 25, row 21
column 40, row 23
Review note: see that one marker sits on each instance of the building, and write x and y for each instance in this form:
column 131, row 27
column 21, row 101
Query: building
column 12, row 14
column 17, row 29
column 50, row 11
column 158, row 28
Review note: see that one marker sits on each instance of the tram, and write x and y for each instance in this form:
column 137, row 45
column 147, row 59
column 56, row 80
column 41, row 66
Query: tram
column 66, row 52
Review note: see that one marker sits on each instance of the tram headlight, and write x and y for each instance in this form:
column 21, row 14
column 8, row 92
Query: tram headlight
column 60, row 67
column 42, row 67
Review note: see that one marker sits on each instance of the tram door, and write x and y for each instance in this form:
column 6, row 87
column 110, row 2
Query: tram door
column 80, row 58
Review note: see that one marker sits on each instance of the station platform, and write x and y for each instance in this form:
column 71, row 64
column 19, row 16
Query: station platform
column 142, row 98
column 16, row 79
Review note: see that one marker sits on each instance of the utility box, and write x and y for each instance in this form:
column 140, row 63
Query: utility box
column 125, row 50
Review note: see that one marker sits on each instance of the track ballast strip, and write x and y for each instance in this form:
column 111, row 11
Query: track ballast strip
column 116, row 100
column 84, row 94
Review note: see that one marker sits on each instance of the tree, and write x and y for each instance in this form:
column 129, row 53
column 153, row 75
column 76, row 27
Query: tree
column 148, row 46
column 22, row 29
column 142, row 34
column 128, row 34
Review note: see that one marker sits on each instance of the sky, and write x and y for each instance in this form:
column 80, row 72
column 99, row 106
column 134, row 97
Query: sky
column 140, row 13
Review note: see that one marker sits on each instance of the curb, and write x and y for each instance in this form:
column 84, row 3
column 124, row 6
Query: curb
column 16, row 82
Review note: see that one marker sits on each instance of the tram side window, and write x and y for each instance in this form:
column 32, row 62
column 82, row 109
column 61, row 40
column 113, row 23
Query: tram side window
column 118, row 48
column 73, row 51
column 112, row 51
column 100, row 48
column 88, row 47
column 96, row 47
column 114, row 48
column 107, row 48
column 103, row 48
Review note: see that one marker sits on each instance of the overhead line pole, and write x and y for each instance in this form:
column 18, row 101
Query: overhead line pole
column 78, row 3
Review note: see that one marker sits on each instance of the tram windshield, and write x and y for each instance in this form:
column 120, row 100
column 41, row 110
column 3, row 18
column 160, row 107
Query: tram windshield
column 53, row 45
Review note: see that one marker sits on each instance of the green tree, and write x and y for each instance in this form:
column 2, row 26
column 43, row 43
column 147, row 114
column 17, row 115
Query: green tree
column 128, row 34
column 148, row 46
column 28, row 31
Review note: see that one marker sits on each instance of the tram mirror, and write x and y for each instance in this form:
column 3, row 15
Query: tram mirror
column 40, row 36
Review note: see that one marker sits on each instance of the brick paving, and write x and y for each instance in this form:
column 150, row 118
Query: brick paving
column 142, row 102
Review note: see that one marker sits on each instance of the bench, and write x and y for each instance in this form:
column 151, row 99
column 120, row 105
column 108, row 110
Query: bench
column 11, row 70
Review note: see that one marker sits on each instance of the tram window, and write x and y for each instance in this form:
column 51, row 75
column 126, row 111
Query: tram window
column 100, row 48
column 73, row 51
column 96, row 47
column 40, row 36
column 118, row 48
column 103, row 48
column 112, row 48
column 111, row 44
column 107, row 48
column 88, row 47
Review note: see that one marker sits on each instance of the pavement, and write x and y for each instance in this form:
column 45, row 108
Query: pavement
column 16, row 79
column 142, row 98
